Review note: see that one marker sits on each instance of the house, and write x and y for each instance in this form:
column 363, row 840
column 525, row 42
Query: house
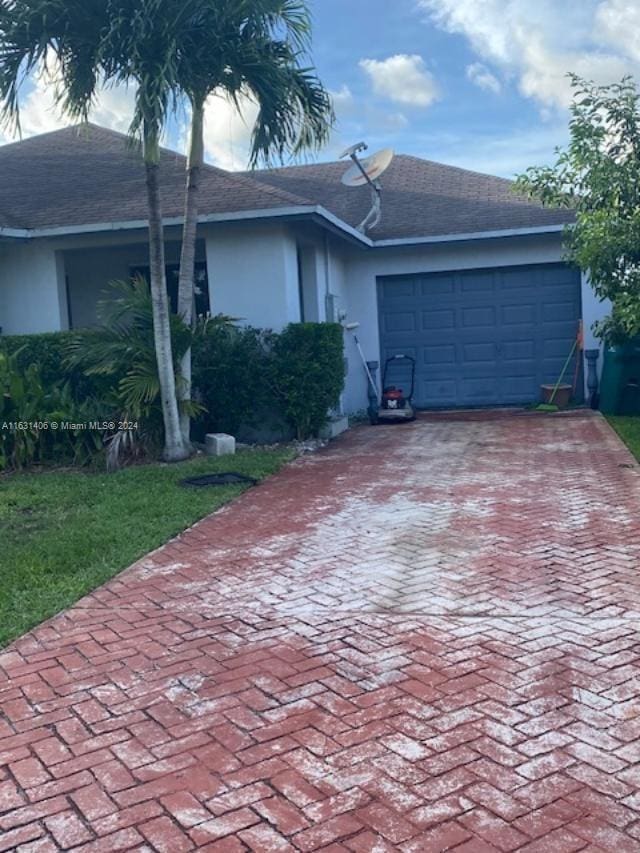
column 460, row 272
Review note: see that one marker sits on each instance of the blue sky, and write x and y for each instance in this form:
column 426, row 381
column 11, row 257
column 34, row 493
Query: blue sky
column 476, row 83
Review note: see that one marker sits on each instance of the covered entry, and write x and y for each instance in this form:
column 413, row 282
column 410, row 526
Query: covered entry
column 481, row 337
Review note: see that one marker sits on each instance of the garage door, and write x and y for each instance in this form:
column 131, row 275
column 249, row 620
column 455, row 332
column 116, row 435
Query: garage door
column 481, row 337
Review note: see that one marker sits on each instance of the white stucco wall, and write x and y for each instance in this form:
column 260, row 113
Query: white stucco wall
column 362, row 269
column 32, row 288
column 253, row 273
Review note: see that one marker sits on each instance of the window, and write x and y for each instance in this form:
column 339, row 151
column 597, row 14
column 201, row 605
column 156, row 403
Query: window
column 200, row 285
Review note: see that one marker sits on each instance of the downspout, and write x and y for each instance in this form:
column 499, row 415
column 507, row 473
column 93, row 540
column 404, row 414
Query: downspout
column 329, row 299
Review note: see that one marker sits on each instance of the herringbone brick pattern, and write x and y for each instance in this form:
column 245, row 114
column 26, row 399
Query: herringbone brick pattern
column 422, row 639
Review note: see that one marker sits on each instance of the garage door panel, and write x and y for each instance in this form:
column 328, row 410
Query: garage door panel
column 479, row 390
column 403, row 289
column 438, row 319
column 478, row 283
column 482, row 337
column 474, row 318
column 436, row 355
column 401, row 322
column 557, row 274
column 517, row 315
column 554, row 312
column 475, row 353
column 438, row 285
column 516, row 277
column 443, row 392
column 519, row 350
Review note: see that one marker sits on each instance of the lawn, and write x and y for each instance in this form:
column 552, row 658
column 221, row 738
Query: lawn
column 628, row 428
column 64, row 533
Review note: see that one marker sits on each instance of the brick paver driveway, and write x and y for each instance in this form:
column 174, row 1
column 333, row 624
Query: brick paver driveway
column 424, row 638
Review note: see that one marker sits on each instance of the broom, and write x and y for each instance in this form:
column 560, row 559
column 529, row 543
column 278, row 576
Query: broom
column 551, row 406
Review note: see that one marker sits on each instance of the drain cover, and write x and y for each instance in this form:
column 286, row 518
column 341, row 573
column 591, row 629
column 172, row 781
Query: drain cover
column 226, row 479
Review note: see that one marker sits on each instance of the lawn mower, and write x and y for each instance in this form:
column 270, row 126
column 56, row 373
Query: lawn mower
column 395, row 405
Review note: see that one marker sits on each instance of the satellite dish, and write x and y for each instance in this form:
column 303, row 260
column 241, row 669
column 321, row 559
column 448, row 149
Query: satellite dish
column 367, row 171
column 354, row 149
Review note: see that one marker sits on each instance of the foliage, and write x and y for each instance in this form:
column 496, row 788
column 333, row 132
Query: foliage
column 49, row 351
column 28, row 407
column 306, row 372
column 244, row 375
column 599, row 176
column 122, row 350
column 65, row 533
column 230, row 376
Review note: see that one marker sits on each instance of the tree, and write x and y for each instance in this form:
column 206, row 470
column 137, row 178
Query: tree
column 598, row 175
column 81, row 42
column 172, row 49
column 236, row 48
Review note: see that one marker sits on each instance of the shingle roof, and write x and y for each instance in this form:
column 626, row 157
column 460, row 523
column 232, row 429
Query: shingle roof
column 88, row 175
column 420, row 198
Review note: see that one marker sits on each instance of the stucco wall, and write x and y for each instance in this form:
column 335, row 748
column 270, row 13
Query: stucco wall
column 32, row 288
column 362, row 268
column 253, row 273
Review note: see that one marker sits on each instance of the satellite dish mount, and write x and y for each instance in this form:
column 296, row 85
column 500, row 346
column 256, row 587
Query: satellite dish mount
column 367, row 171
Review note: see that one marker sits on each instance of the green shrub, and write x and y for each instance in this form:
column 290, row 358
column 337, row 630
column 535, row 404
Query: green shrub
column 229, row 377
column 48, row 350
column 28, row 407
column 307, row 373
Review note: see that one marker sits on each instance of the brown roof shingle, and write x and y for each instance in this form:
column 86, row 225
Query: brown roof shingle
column 420, row 198
column 89, row 175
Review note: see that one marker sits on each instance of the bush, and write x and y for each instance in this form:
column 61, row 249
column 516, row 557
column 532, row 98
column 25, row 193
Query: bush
column 307, row 373
column 28, row 406
column 48, row 350
column 229, row 377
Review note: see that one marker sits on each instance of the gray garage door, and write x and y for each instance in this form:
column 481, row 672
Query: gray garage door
column 481, row 337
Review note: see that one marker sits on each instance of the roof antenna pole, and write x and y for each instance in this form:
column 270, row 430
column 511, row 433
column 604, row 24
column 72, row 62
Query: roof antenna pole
column 366, row 172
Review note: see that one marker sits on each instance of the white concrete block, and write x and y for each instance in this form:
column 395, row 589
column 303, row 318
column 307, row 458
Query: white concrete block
column 220, row 444
column 334, row 427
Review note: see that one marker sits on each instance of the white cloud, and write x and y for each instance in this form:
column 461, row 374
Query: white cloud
column 342, row 99
column 483, row 78
column 618, row 24
column 227, row 131
column 402, row 78
column 39, row 112
column 538, row 43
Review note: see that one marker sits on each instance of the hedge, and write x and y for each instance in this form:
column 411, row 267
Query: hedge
column 242, row 376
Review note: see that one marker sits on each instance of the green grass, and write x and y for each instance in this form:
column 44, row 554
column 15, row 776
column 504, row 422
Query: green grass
column 64, row 533
column 628, row 428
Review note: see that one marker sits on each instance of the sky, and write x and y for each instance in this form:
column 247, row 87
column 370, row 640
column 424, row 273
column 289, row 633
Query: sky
column 475, row 83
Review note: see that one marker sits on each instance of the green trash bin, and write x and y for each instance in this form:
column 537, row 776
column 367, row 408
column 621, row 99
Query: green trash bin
column 620, row 381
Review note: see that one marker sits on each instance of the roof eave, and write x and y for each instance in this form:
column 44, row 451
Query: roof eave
column 320, row 213
column 472, row 235
column 293, row 211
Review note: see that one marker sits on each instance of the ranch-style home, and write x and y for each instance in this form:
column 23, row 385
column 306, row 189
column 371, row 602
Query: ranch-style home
column 460, row 273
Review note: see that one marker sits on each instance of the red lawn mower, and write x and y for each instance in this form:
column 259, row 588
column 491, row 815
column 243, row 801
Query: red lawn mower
column 395, row 404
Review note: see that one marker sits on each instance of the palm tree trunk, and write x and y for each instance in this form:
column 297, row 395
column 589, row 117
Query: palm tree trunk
column 188, row 253
column 174, row 446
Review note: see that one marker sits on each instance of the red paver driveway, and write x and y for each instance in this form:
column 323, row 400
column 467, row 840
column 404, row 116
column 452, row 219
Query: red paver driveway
column 423, row 638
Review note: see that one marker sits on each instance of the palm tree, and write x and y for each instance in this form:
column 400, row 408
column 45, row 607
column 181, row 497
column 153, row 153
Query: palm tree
column 173, row 49
column 81, row 41
column 234, row 48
